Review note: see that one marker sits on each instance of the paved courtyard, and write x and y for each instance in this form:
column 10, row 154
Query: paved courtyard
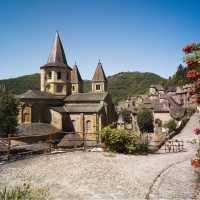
column 104, row 176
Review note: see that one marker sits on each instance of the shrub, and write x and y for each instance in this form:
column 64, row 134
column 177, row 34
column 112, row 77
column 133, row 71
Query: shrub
column 145, row 121
column 24, row 192
column 122, row 141
column 190, row 110
column 171, row 125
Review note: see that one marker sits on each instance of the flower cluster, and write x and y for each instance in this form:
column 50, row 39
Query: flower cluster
column 189, row 48
column 192, row 74
column 197, row 131
column 189, row 63
column 195, row 163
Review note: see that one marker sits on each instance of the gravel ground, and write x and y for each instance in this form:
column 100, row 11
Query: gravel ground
column 104, row 176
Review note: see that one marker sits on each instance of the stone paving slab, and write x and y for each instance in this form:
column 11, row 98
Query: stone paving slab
column 102, row 176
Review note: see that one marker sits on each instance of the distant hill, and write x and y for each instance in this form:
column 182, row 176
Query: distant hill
column 23, row 83
column 121, row 85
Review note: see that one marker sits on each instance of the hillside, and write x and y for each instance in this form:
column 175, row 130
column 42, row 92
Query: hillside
column 121, row 85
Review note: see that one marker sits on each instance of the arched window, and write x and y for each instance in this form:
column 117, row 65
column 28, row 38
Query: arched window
column 26, row 114
column 88, row 126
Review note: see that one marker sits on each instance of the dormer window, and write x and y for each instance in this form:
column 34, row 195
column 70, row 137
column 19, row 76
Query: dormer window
column 59, row 76
column 98, row 87
column 49, row 75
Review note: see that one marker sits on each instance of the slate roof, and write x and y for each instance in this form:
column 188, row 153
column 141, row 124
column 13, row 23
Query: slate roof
column 87, row 97
column 75, row 75
column 83, row 108
column 57, row 55
column 60, row 109
column 179, row 90
column 176, row 110
column 99, row 74
column 158, row 87
column 78, row 108
column 36, row 129
column 37, row 94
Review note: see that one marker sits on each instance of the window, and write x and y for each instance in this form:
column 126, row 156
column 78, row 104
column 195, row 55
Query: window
column 88, row 126
column 98, row 87
column 59, row 88
column 59, row 75
column 73, row 88
column 49, row 75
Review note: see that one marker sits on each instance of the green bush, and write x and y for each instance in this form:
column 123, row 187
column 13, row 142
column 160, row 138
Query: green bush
column 24, row 192
column 122, row 141
column 190, row 110
column 145, row 121
column 171, row 125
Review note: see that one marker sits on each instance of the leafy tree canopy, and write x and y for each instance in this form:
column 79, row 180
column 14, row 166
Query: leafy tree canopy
column 145, row 121
column 8, row 113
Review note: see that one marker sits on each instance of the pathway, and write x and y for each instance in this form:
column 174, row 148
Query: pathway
column 103, row 176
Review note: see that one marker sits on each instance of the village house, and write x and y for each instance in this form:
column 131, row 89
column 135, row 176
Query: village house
column 165, row 105
column 61, row 102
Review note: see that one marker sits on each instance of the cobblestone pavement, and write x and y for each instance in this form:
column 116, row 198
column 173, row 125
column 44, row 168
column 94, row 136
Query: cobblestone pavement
column 104, row 176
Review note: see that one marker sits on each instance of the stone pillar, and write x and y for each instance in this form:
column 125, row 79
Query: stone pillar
column 95, row 123
column 82, row 123
column 42, row 80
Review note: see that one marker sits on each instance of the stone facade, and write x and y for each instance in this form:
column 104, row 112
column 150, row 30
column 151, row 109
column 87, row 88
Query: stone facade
column 61, row 101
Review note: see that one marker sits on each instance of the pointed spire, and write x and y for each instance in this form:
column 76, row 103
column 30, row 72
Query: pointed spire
column 75, row 75
column 57, row 54
column 99, row 75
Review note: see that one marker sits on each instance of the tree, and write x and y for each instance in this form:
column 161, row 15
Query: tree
column 145, row 121
column 171, row 125
column 8, row 113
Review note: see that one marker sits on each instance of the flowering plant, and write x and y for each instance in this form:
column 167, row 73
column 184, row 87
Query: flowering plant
column 197, row 131
column 192, row 59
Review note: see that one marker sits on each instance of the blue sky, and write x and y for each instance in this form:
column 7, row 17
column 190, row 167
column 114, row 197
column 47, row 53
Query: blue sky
column 135, row 35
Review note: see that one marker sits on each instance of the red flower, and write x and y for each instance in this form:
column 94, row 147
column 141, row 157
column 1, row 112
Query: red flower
column 189, row 63
column 197, row 131
column 190, row 92
column 189, row 48
column 195, row 163
column 192, row 74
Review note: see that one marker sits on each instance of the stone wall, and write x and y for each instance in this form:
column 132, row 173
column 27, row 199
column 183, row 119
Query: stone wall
column 56, row 119
column 164, row 117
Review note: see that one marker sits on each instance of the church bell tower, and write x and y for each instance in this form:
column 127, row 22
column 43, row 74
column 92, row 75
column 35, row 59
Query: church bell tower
column 99, row 80
column 56, row 74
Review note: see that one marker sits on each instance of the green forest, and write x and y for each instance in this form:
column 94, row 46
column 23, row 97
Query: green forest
column 121, row 85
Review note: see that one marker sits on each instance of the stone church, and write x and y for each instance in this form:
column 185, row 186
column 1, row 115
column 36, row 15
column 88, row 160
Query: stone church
column 61, row 101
